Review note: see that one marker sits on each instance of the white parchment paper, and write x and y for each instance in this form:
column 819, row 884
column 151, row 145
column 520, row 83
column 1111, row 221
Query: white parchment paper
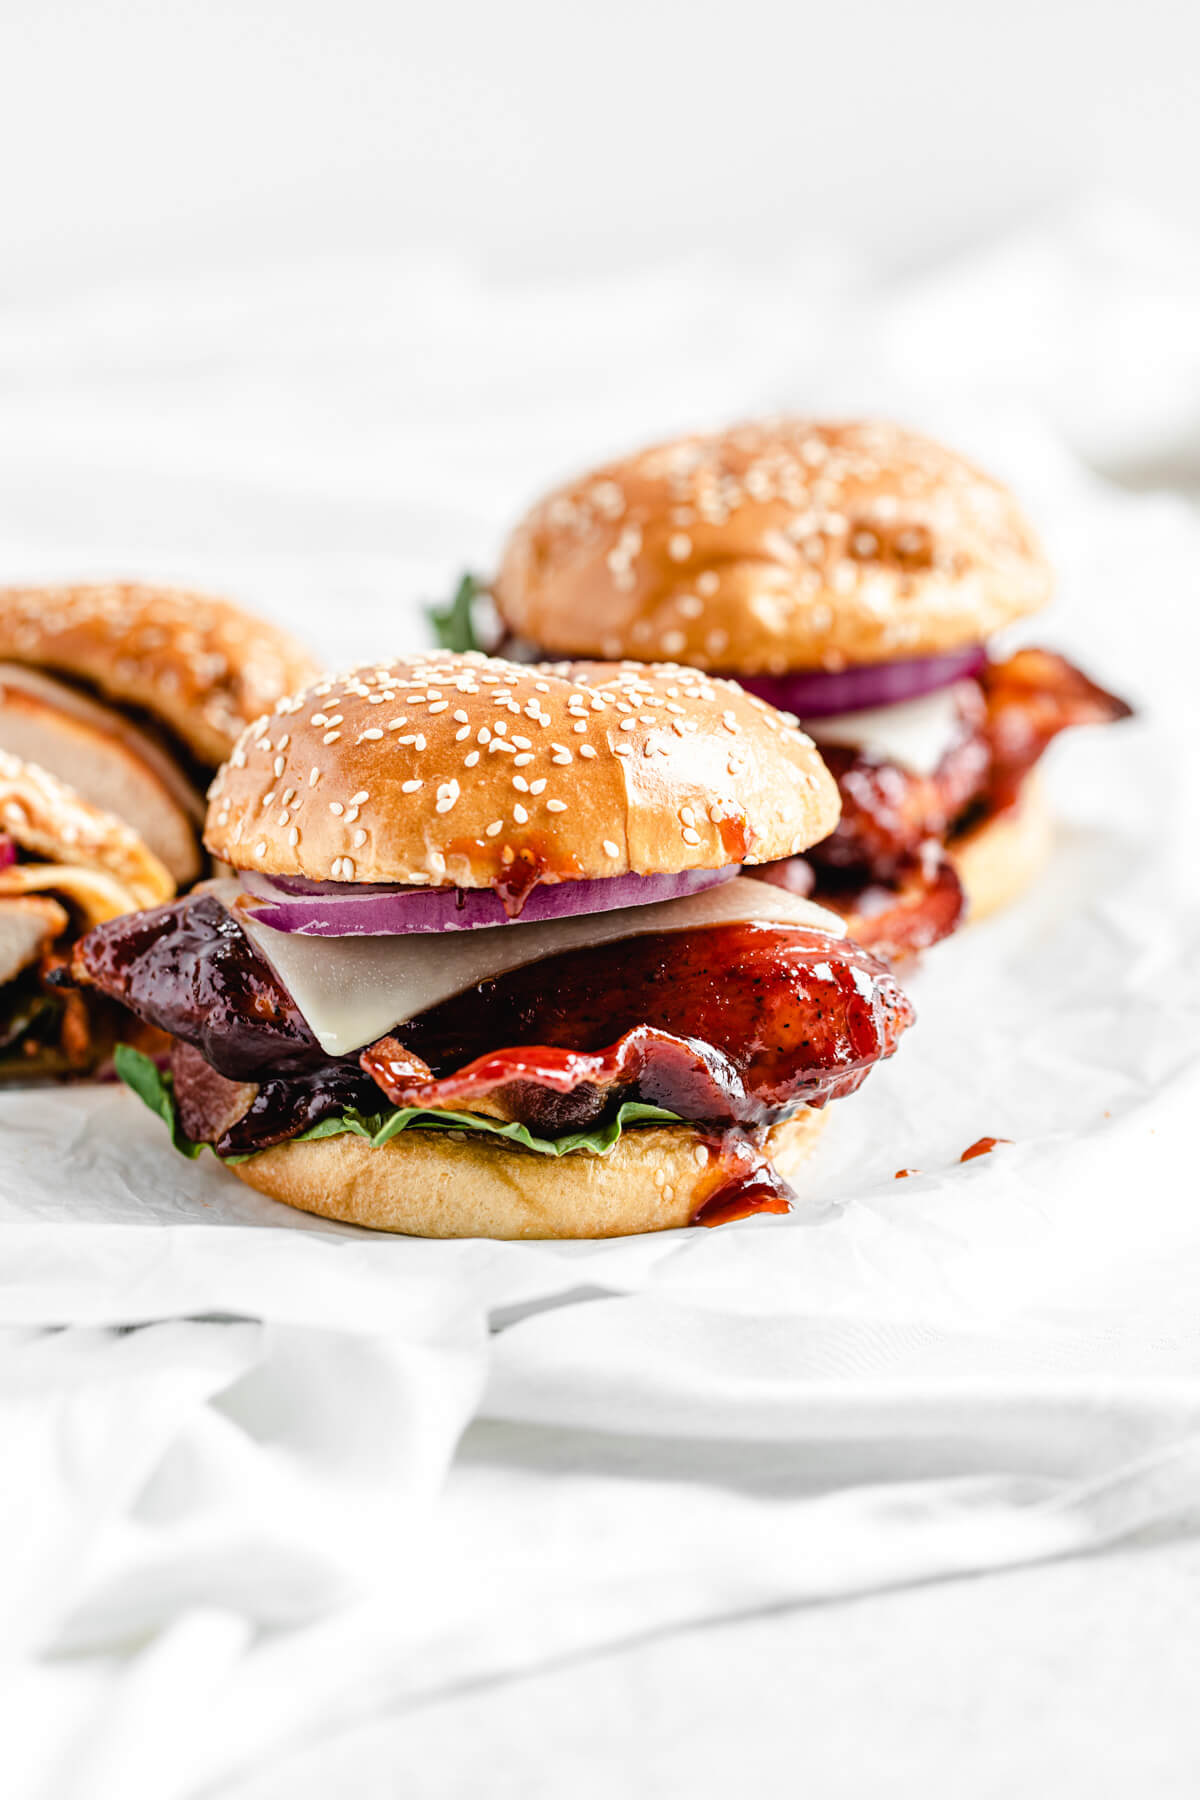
column 310, row 1484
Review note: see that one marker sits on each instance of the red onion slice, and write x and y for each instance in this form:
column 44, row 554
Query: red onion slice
column 340, row 909
column 8, row 851
column 820, row 693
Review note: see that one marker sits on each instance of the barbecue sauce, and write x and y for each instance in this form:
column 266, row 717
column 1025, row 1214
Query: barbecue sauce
column 654, row 1018
column 746, row 1182
column 982, row 1147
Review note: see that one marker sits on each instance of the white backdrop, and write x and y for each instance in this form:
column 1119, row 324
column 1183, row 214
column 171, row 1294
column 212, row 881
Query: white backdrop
column 138, row 135
column 303, row 302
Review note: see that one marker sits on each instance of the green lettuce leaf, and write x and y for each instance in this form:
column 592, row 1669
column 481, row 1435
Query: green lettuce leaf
column 156, row 1090
column 454, row 625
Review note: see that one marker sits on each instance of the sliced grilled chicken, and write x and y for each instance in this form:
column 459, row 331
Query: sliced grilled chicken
column 29, row 924
column 108, row 760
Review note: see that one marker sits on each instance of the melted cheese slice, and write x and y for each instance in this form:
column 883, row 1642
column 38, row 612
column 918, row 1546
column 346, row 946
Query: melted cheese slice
column 353, row 990
column 916, row 734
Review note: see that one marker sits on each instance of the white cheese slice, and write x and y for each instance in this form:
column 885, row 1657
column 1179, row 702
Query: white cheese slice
column 353, row 990
column 916, row 734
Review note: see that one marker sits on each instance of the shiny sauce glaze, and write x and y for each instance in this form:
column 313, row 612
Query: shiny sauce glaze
column 556, row 1044
column 734, row 1023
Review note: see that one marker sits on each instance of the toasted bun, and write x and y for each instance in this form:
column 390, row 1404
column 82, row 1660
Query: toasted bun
column 1002, row 857
column 199, row 666
column 453, row 769
column 91, row 858
column 442, row 1185
column 784, row 545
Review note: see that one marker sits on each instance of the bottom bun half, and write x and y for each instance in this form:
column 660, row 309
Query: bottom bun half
column 1002, row 857
column 439, row 1184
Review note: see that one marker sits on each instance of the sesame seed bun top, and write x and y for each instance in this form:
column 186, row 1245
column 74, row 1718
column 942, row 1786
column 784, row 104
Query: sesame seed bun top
column 466, row 771
column 200, row 666
column 784, row 545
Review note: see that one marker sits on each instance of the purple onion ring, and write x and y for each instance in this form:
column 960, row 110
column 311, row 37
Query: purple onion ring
column 822, row 693
column 344, row 909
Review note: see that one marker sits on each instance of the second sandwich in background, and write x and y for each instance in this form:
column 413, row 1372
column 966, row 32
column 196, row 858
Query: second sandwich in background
column 133, row 694
column 851, row 574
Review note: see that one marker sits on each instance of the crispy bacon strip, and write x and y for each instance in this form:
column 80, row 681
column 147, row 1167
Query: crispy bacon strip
column 733, row 1024
column 736, row 1024
column 888, row 812
column 1030, row 699
column 884, row 868
column 926, row 904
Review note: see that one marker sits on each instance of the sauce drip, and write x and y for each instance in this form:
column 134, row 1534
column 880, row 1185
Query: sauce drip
column 745, row 1182
column 982, row 1147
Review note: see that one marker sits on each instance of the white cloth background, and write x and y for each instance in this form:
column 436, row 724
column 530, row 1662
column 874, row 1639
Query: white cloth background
column 310, row 1489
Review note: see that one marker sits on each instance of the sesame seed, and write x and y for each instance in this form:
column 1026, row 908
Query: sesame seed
column 520, row 815
column 628, row 724
column 690, row 836
column 294, row 836
column 369, row 736
column 331, row 737
column 440, row 706
column 520, row 762
column 580, row 725
column 611, row 849
column 347, row 868
column 471, row 758
column 520, row 783
column 360, row 838
column 584, row 750
column 361, row 798
column 556, row 806
column 278, row 765
column 679, row 546
column 410, row 787
column 539, row 786
column 260, row 849
column 336, row 808
column 495, row 828
column 464, row 731
column 447, row 794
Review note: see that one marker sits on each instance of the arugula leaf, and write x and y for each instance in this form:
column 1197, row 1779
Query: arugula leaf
column 454, row 625
column 156, row 1090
